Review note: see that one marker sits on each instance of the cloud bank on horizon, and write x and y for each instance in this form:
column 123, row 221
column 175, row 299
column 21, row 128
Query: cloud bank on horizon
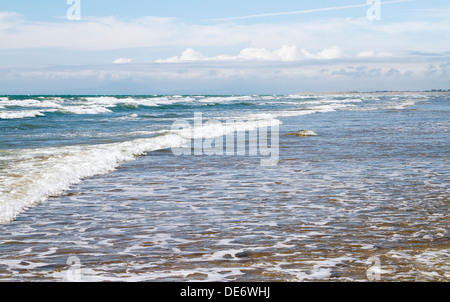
column 287, row 53
column 273, row 48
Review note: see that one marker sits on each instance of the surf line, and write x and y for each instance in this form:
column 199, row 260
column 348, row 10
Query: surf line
column 233, row 137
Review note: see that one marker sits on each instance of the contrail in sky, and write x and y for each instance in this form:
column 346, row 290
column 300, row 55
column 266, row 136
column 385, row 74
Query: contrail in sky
column 304, row 11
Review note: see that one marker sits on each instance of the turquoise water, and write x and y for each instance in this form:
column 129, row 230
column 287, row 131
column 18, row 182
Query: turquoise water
column 96, row 178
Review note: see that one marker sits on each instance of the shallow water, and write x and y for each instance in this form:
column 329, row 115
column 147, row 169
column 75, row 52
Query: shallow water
column 372, row 183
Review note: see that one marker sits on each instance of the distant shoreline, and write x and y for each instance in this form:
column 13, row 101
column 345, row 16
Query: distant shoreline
column 374, row 92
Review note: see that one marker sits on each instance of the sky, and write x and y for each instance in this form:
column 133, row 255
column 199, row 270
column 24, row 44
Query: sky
column 222, row 47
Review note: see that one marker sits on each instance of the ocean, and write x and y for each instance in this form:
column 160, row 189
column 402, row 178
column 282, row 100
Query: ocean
column 306, row 187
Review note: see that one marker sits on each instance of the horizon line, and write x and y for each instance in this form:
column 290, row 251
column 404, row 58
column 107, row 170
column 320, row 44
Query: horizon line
column 200, row 94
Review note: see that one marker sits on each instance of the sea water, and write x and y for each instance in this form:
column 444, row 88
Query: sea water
column 91, row 183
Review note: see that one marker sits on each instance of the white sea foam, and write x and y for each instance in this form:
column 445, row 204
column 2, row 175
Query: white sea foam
column 302, row 96
column 330, row 101
column 106, row 100
column 35, row 174
column 5, row 115
column 322, row 269
column 225, row 99
column 298, row 111
column 288, row 113
column 30, row 103
column 387, row 105
column 214, row 128
column 40, row 173
column 274, row 115
column 400, row 105
column 130, row 117
column 311, row 110
column 82, row 109
column 329, row 107
column 149, row 102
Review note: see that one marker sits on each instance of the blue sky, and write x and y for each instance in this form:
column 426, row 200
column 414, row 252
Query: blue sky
column 223, row 47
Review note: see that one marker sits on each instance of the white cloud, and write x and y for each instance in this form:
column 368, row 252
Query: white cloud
column 333, row 52
column 365, row 54
column 187, row 55
column 287, row 53
column 110, row 33
column 373, row 54
column 249, row 76
column 10, row 16
column 253, row 53
column 122, row 61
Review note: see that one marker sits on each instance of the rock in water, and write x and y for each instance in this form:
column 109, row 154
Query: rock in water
column 304, row 133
